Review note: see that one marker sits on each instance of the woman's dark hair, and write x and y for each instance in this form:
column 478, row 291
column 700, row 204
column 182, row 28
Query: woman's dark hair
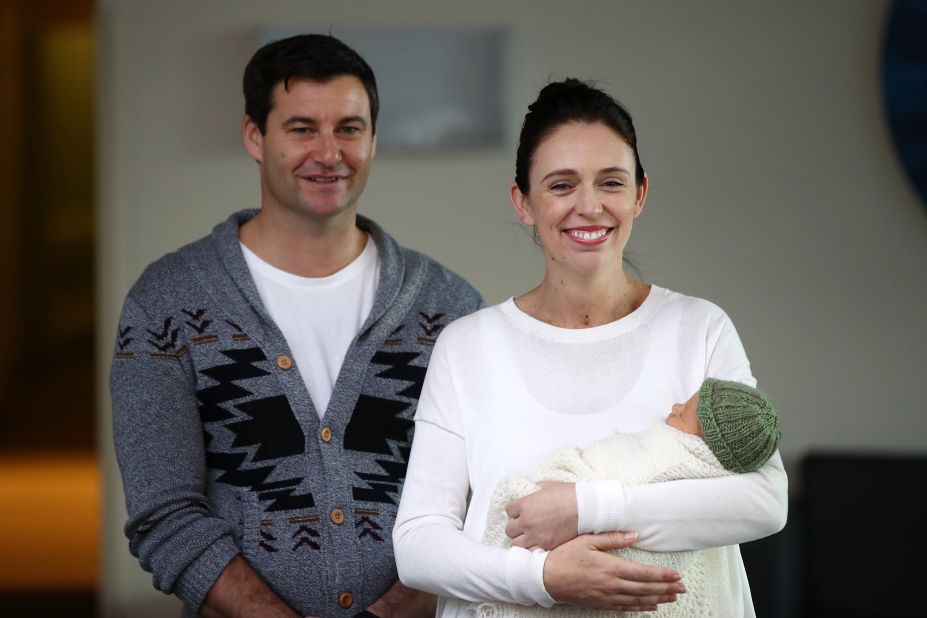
column 560, row 103
column 317, row 57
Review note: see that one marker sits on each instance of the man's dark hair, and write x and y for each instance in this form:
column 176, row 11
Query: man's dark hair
column 317, row 57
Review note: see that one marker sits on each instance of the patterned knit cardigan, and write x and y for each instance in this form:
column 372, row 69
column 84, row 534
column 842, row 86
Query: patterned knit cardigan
column 221, row 451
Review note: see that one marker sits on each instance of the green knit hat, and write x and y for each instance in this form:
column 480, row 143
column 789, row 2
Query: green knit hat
column 740, row 425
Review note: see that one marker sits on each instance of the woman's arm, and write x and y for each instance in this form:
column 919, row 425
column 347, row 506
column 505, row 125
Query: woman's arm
column 692, row 514
column 672, row 515
column 432, row 552
column 669, row 516
column 700, row 513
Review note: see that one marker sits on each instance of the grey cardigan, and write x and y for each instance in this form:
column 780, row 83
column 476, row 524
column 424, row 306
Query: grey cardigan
column 221, row 450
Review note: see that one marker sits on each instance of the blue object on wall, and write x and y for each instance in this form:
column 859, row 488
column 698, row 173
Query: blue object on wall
column 904, row 86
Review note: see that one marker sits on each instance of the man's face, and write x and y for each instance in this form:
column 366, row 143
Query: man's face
column 315, row 154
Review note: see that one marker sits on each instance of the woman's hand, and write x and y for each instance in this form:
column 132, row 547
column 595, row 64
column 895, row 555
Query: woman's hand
column 545, row 519
column 580, row 573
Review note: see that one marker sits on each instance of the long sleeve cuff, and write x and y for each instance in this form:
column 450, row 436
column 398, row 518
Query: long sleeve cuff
column 200, row 575
column 524, row 572
column 600, row 506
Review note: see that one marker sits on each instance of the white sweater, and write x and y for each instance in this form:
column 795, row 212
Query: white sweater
column 504, row 391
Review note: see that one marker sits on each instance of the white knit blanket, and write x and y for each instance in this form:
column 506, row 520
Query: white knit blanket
column 659, row 454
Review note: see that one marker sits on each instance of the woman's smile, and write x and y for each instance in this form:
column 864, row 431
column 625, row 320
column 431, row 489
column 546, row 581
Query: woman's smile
column 589, row 235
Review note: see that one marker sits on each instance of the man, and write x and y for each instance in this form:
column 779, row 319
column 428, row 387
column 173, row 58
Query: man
column 265, row 377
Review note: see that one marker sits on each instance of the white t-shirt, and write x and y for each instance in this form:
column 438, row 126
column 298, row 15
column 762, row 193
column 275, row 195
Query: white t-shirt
column 504, row 391
column 318, row 316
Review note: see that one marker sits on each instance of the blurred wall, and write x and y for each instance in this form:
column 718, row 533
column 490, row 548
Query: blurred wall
column 775, row 191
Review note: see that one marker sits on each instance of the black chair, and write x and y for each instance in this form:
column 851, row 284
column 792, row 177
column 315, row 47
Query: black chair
column 863, row 535
column 773, row 568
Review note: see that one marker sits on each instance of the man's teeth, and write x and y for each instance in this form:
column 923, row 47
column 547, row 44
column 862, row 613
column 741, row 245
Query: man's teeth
column 584, row 235
column 324, row 178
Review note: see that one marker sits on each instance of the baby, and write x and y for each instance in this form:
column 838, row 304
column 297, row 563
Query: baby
column 724, row 428
column 736, row 422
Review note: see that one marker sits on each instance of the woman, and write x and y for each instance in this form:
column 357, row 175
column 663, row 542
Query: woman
column 589, row 352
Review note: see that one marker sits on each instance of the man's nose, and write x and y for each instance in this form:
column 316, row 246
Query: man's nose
column 328, row 151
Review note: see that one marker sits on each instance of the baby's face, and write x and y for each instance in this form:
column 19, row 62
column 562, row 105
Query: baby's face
column 684, row 417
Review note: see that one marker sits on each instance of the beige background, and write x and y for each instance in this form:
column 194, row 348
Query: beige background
column 775, row 192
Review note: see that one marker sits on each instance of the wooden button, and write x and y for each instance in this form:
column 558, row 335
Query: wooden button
column 346, row 600
column 284, row 361
column 337, row 516
column 326, row 435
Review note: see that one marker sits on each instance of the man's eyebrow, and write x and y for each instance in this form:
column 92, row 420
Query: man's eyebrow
column 298, row 120
column 353, row 119
column 311, row 121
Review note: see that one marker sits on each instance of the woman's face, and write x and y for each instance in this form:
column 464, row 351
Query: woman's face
column 582, row 197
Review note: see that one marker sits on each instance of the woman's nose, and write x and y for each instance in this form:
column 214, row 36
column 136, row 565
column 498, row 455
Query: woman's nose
column 588, row 203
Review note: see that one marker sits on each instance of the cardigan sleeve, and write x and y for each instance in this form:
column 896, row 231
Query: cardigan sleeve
column 695, row 513
column 432, row 551
column 160, row 448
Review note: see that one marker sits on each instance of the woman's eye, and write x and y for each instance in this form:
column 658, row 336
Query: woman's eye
column 559, row 186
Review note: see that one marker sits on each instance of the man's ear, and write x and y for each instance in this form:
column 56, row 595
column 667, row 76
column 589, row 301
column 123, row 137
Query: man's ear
column 520, row 202
column 252, row 138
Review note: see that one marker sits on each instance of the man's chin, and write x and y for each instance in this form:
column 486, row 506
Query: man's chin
column 329, row 211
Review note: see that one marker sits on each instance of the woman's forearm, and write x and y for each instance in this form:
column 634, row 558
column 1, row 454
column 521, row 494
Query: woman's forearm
column 693, row 514
column 434, row 558
column 433, row 553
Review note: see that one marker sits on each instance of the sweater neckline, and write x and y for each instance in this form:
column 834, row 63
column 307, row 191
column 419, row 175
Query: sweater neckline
column 537, row 328
column 393, row 263
column 364, row 262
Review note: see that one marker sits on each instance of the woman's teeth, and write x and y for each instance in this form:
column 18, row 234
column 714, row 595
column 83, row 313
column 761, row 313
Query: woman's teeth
column 584, row 235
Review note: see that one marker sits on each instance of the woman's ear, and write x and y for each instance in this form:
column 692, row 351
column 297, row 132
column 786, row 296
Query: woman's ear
column 641, row 196
column 520, row 202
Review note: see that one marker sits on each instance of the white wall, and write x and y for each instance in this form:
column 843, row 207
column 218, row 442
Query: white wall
column 775, row 189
